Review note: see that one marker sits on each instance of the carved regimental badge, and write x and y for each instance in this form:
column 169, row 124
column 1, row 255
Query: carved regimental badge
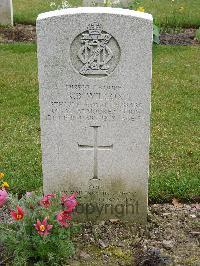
column 95, row 53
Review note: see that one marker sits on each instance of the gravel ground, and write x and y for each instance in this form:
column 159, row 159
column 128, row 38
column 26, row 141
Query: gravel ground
column 27, row 33
column 171, row 237
column 18, row 33
column 187, row 37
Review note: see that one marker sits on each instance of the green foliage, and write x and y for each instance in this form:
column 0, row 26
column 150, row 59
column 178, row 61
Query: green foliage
column 168, row 13
column 22, row 241
column 156, row 34
column 26, row 11
column 171, row 13
column 197, row 35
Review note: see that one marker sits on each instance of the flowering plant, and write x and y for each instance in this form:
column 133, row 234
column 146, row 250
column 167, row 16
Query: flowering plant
column 3, row 183
column 64, row 4
column 37, row 230
column 3, row 197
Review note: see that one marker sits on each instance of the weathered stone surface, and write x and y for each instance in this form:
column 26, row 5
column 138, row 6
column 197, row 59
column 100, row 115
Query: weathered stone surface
column 6, row 12
column 95, row 79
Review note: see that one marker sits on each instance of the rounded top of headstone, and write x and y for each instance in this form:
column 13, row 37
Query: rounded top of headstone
column 95, row 10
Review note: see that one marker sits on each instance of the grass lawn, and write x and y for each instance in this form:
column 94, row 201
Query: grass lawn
column 167, row 13
column 26, row 11
column 172, row 13
column 175, row 126
column 174, row 135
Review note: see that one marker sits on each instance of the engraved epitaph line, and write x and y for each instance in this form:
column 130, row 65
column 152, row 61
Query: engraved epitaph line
column 95, row 147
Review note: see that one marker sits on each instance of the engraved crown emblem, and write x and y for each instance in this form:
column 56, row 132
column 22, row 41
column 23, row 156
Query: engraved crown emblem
column 94, row 28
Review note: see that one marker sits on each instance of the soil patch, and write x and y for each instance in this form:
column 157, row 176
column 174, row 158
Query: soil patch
column 18, row 33
column 27, row 33
column 186, row 37
column 171, row 237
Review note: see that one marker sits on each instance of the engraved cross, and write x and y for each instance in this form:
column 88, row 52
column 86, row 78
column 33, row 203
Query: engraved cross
column 95, row 147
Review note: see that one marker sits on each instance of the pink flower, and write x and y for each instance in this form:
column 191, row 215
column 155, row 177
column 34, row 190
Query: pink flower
column 17, row 215
column 43, row 228
column 69, row 202
column 62, row 218
column 45, row 201
column 3, row 197
column 28, row 194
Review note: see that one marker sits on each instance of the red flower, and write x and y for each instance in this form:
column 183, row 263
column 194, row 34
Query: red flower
column 45, row 201
column 62, row 218
column 43, row 228
column 69, row 202
column 3, row 197
column 17, row 215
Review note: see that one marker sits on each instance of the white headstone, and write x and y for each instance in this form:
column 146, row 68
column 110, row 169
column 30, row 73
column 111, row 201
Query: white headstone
column 95, row 87
column 6, row 12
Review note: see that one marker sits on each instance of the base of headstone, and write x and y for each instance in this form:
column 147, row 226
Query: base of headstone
column 6, row 12
column 101, row 205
